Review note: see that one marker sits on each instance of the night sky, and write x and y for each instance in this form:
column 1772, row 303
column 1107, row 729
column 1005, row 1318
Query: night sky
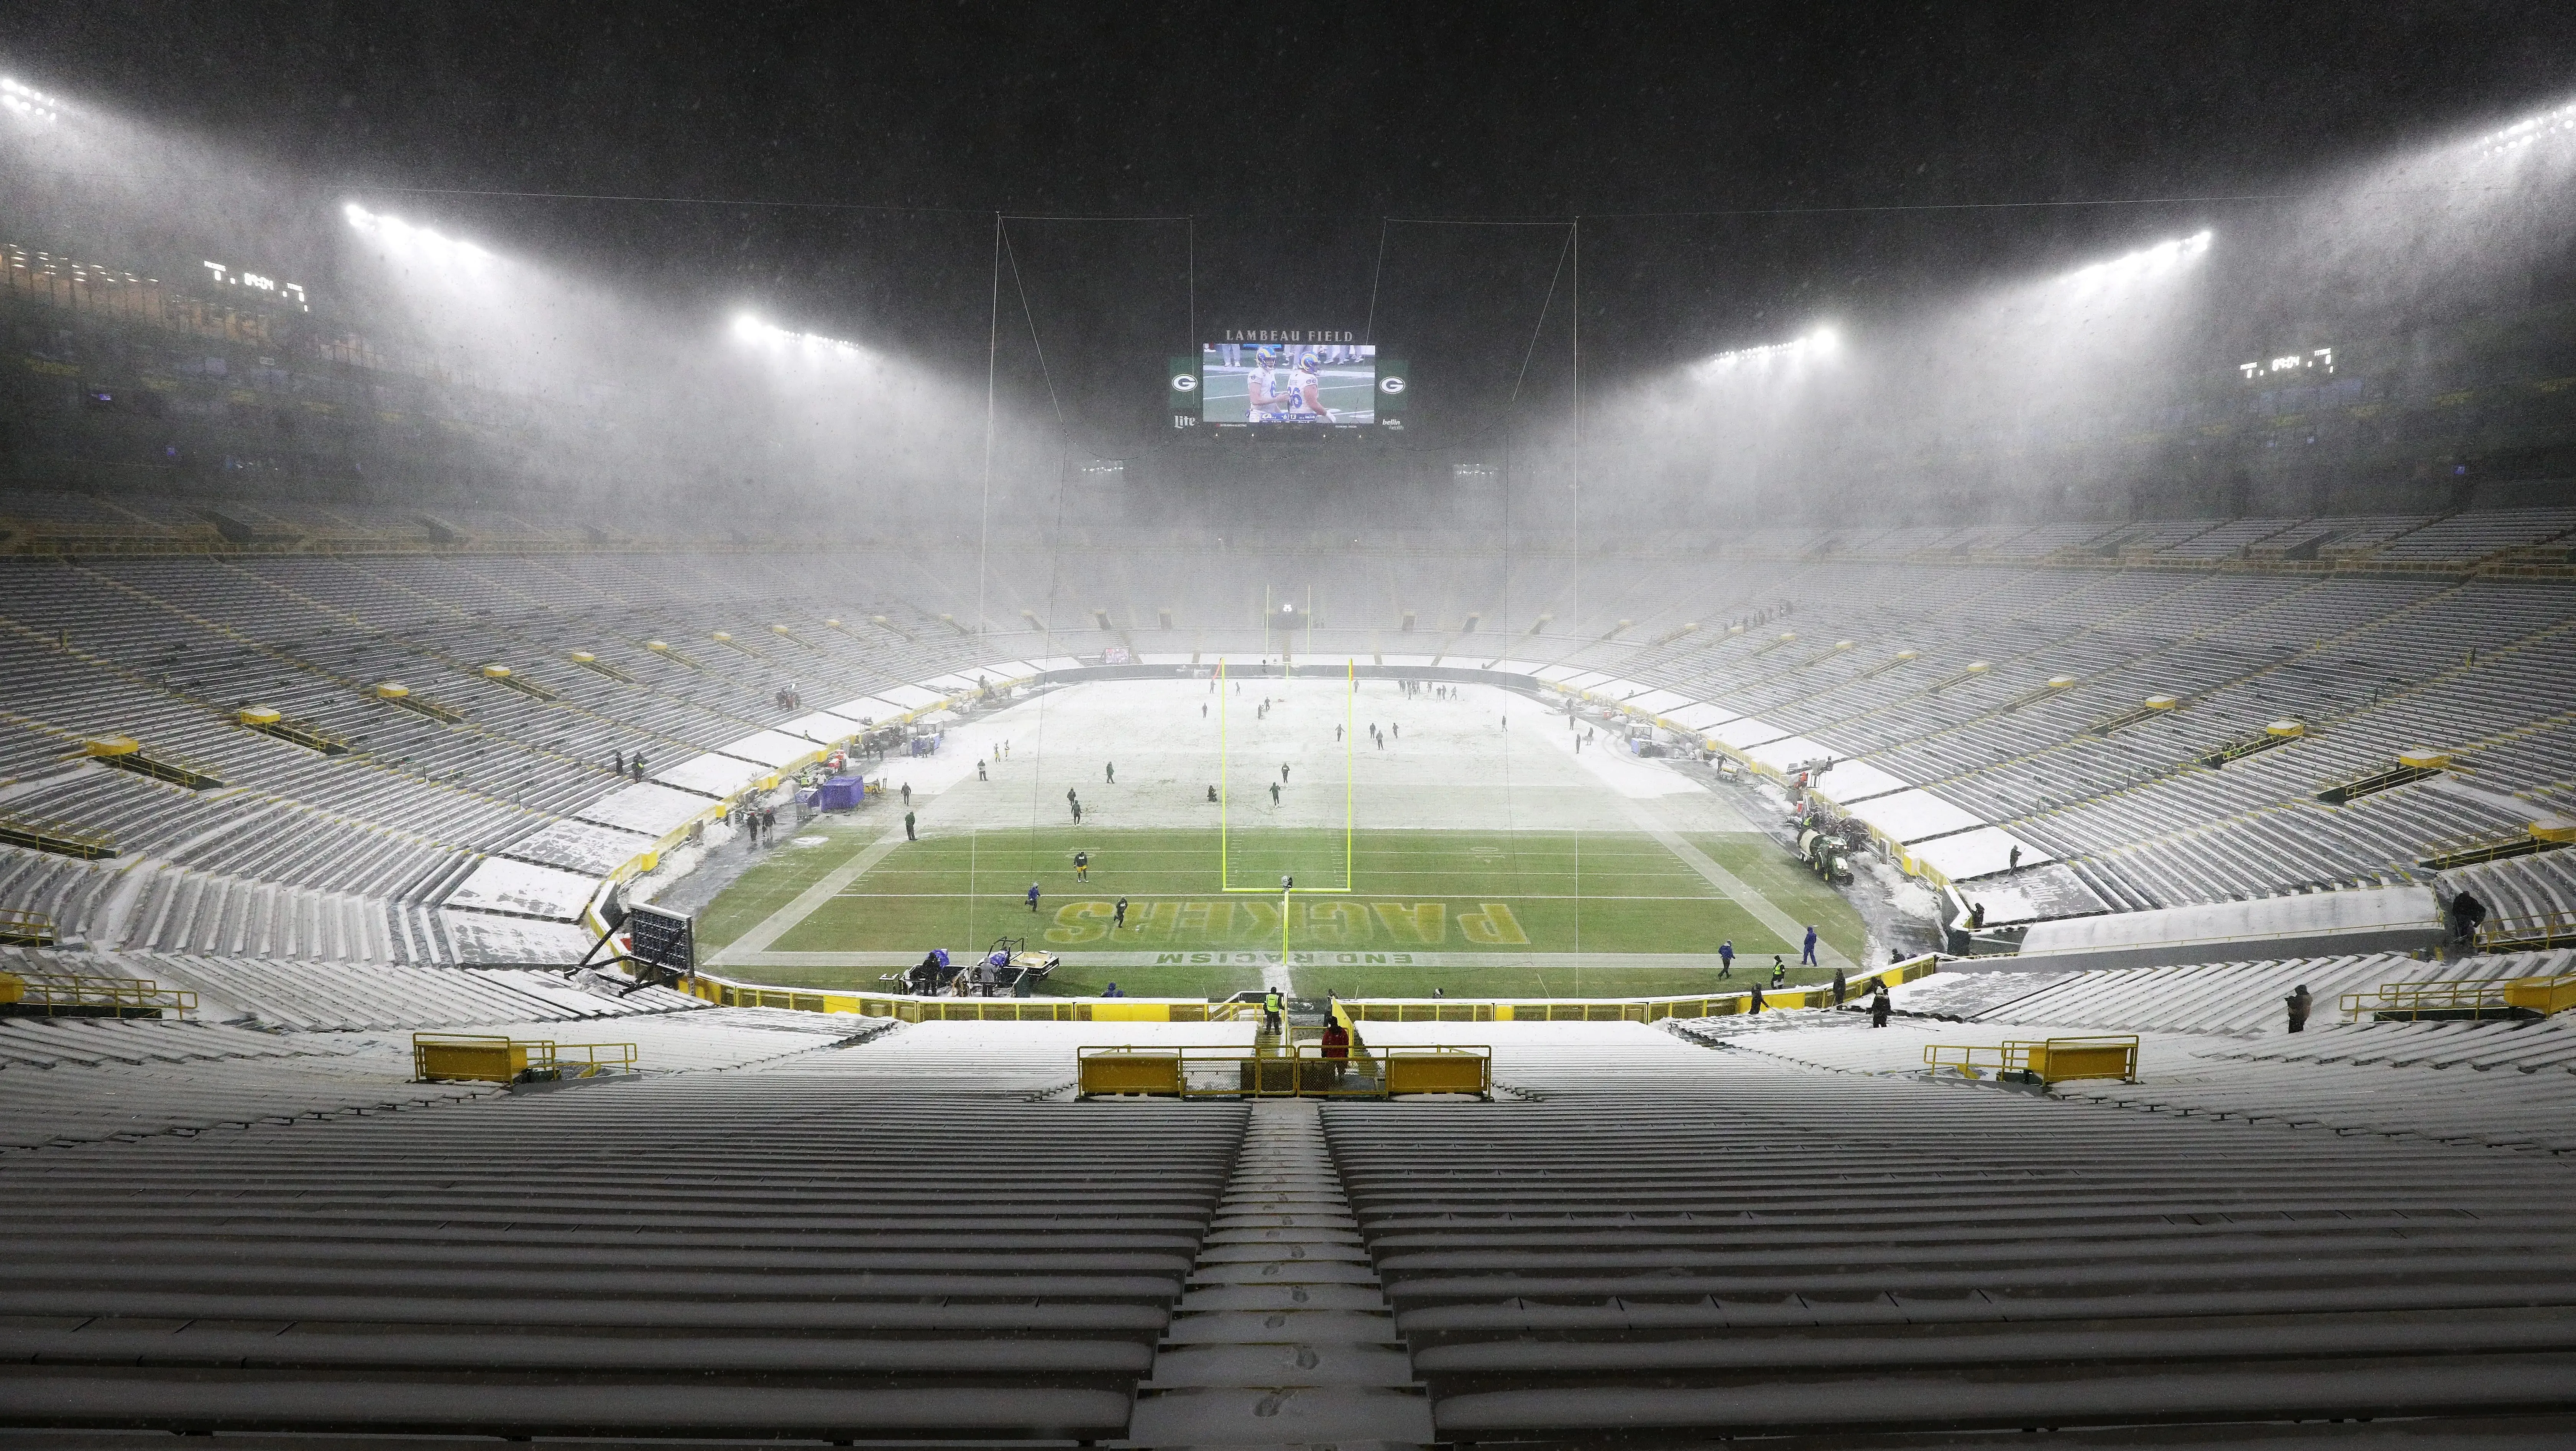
column 1290, row 133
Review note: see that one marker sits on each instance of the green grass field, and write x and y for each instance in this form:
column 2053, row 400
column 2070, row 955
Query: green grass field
column 1489, row 909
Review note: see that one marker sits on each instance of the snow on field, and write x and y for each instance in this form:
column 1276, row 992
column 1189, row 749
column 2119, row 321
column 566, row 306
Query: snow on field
column 1446, row 765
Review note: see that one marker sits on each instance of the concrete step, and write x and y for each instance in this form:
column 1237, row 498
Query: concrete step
column 1281, row 1297
column 1281, row 1416
column 1285, row 1364
column 1268, row 1327
column 1283, row 1336
column 1281, row 1272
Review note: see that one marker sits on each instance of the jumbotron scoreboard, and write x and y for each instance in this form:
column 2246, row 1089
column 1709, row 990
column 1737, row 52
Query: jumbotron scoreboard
column 1287, row 381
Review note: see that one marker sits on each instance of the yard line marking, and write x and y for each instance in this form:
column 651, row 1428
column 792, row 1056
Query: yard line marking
column 1787, row 928
column 825, row 888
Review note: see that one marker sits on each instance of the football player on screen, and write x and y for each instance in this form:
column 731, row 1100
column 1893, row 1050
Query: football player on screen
column 1263, row 401
column 1306, row 391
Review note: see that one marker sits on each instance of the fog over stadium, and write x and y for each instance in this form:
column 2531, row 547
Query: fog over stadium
column 1545, row 726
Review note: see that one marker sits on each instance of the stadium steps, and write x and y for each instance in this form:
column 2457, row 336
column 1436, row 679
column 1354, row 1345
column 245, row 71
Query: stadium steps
column 1283, row 1336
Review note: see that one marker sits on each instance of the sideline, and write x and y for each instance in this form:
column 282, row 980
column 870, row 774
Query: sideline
column 1324, row 957
column 1787, row 928
column 743, row 951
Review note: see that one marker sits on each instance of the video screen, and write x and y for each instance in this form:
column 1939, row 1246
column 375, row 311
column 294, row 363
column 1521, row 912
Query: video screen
column 1320, row 385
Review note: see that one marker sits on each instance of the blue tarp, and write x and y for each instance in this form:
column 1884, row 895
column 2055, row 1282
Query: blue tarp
column 841, row 793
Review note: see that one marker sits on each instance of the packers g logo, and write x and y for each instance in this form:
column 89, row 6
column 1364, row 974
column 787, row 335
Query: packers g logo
column 1185, row 382
column 1390, row 384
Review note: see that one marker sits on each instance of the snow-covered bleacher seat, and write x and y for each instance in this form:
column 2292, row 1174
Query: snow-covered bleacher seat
column 1671, row 1239
column 881, row 1243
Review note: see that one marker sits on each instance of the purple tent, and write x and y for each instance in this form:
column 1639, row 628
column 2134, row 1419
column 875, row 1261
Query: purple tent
column 841, row 793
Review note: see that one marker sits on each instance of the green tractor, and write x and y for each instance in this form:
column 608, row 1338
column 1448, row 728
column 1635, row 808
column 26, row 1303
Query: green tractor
column 1826, row 853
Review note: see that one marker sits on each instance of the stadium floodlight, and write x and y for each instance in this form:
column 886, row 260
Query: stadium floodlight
column 2528, row 132
column 2146, row 261
column 27, row 103
column 750, row 328
column 394, row 231
column 1818, row 340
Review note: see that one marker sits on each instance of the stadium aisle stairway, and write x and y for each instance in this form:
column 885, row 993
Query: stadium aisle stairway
column 1674, row 1243
column 840, row 1245
column 1284, row 1336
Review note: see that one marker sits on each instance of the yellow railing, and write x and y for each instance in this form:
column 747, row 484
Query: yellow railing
column 1304, row 1070
column 21, row 927
column 1624, row 1010
column 968, row 1010
column 905, row 1008
column 2497, row 996
column 62, row 838
column 2052, row 1060
column 486, row 1058
column 2535, row 930
column 75, row 995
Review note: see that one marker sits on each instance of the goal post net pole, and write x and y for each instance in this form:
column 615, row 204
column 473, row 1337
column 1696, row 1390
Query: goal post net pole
column 1350, row 801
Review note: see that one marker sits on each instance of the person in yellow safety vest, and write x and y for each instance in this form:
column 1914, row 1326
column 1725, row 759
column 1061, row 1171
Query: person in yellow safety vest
column 1271, row 1007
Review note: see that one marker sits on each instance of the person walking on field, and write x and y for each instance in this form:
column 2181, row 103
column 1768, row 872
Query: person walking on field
column 1113, row 773
column 1808, row 958
column 2299, row 1002
column 1274, row 793
column 1726, row 958
column 1033, row 897
column 1120, row 920
column 1082, row 866
column 1879, row 1007
column 1283, row 773
column 907, row 828
column 1779, row 973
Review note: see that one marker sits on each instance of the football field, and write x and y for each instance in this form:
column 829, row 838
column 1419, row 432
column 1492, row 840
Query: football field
column 1462, row 845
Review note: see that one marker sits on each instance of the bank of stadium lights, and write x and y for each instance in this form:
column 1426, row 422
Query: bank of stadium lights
column 2529, row 132
column 751, row 329
column 396, row 231
column 27, row 103
column 2145, row 260
column 1820, row 340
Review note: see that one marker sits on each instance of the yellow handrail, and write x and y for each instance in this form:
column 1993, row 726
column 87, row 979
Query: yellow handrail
column 1631, row 1010
column 66, row 994
column 25, row 927
column 1300, row 1070
column 2405, row 1001
column 1351, row 1011
column 2531, row 930
column 2049, row 1060
column 496, row 1058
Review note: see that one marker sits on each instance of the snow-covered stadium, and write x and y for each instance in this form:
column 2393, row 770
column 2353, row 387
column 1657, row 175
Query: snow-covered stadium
column 582, row 866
